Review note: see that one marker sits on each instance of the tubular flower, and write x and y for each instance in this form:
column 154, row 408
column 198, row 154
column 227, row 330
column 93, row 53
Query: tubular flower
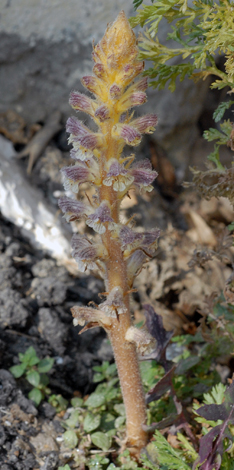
column 86, row 253
column 100, row 217
column 143, row 175
column 74, row 175
column 117, row 176
column 121, row 251
column 73, row 210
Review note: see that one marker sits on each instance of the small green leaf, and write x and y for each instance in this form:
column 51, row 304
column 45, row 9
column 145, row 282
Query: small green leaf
column 95, row 400
column 36, row 396
column 111, row 467
column 76, row 401
column 219, row 112
column 111, row 394
column 120, row 409
column 73, row 420
column 18, row 371
column 33, row 377
column 107, row 422
column 44, row 380
column 29, row 357
column 58, row 402
column 91, row 422
column 70, row 439
column 66, row 467
column 45, row 364
column 101, row 440
column 111, row 370
column 214, row 157
column 119, row 421
column 98, row 377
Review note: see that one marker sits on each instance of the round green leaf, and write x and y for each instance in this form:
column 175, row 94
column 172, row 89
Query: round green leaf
column 45, row 364
column 73, row 420
column 70, row 439
column 36, row 396
column 18, row 371
column 101, row 440
column 107, row 422
column 120, row 409
column 119, row 421
column 111, row 370
column 33, row 378
column 98, row 377
column 95, row 400
column 44, row 380
column 91, row 422
column 76, row 401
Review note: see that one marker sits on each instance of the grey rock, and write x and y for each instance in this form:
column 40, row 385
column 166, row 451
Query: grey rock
column 26, row 207
column 52, row 329
column 48, row 291
column 2, row 435
column 25, row 404
column 48, row 410
column 12, row 310
column 51, row 462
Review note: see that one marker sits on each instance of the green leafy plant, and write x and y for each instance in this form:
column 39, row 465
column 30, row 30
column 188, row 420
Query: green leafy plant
column 200, row 31
column 35, row 371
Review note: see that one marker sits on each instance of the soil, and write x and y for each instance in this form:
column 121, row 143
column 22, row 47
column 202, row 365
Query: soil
column 35, row 300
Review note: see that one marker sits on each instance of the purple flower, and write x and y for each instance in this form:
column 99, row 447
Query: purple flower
column 145, row 124
column 118, row 176
column 73, row 209
column 114, row 304
column 91, row 83
column 143, row 175
column 102, row 113
column 142, row 84
column 74, row 175
column 131, row 71
column 81, row 136
column 82, row 103
column 151, row 238
column 99, row 70
column 76, row 128
column 115, row 92
column 84, row 252
column 137, row 98
column 101, row 216
column 89, row 141
column 128, row 133
column 129, row 238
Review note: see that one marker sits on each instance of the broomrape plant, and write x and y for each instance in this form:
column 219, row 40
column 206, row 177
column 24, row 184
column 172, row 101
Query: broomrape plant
column 121, row 251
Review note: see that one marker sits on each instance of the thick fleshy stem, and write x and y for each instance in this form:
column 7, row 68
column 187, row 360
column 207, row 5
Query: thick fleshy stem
column 121, row 251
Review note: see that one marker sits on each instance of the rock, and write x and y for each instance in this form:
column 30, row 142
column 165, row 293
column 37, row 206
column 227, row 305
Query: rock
column 47, row 410
column 52, row 329
column 26, row 207
column 12, row 310
column 51, row 462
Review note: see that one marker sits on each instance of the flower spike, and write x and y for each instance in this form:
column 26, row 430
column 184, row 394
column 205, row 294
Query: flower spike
column 117, row 249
